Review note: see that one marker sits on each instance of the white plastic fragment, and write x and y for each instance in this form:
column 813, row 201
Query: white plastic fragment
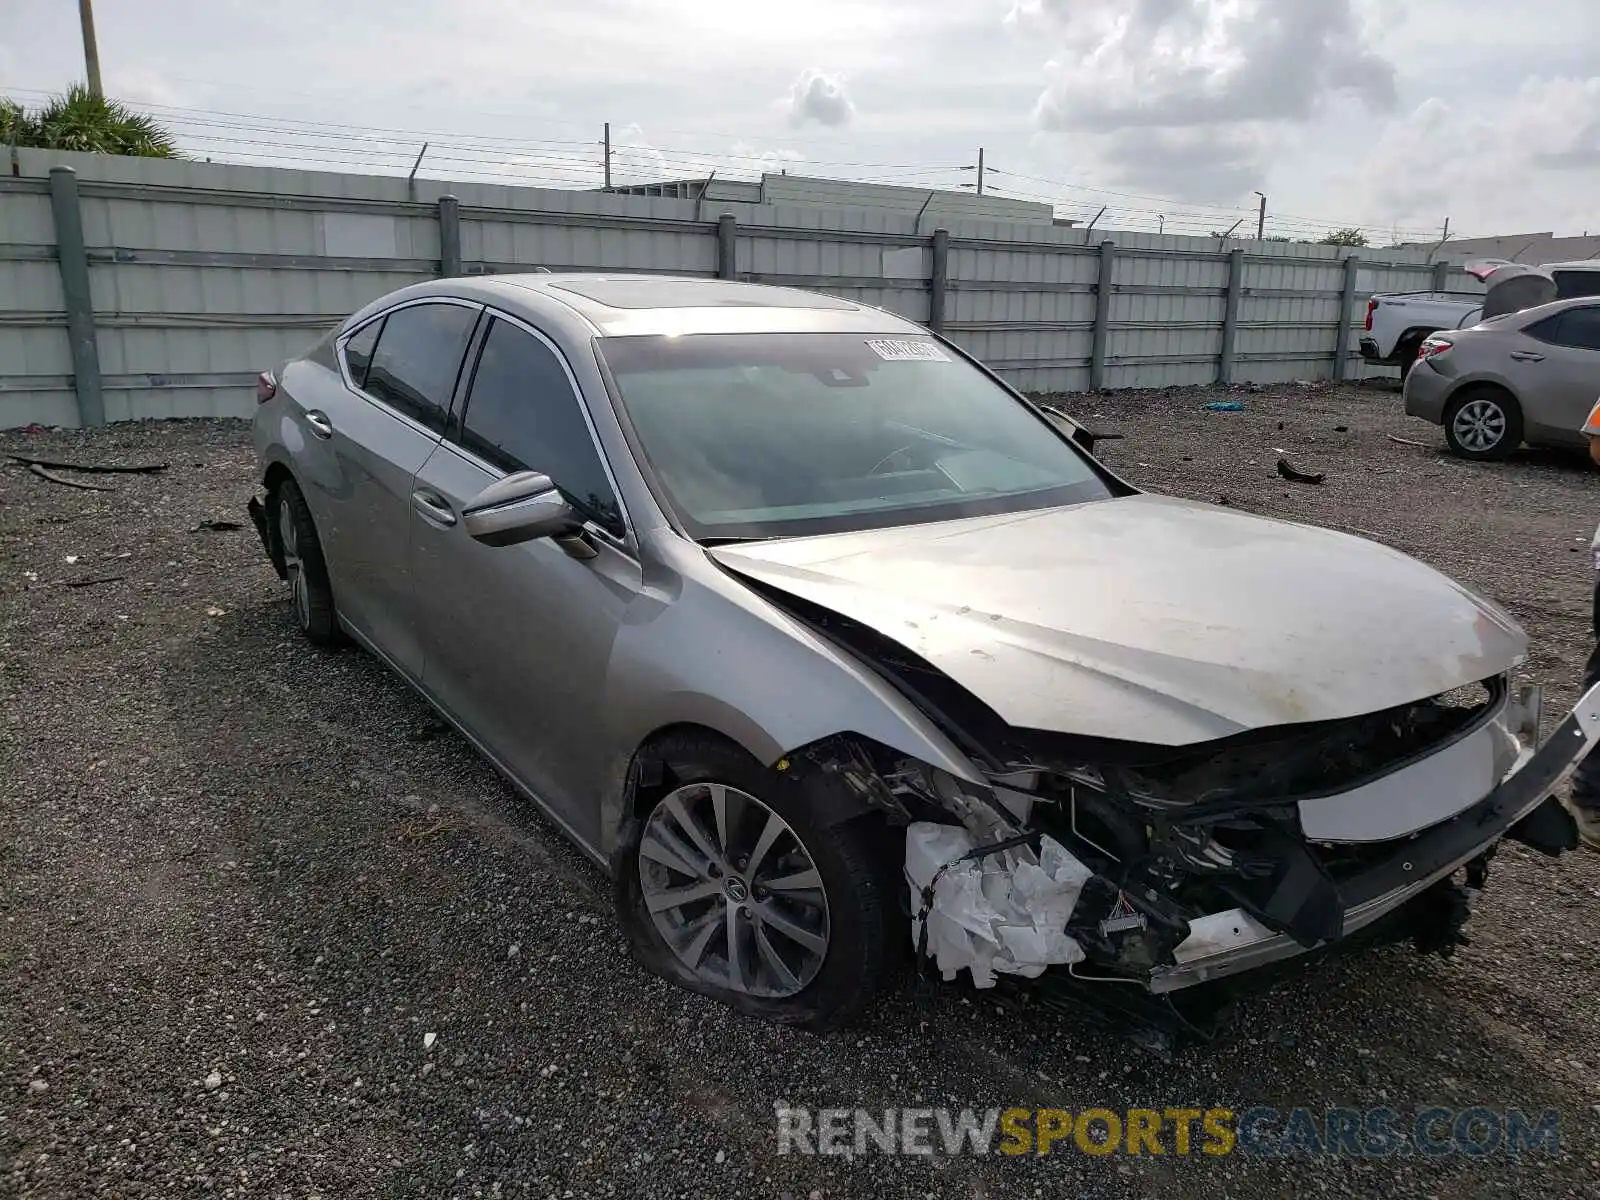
column 428, row 1039
column 1001, row 915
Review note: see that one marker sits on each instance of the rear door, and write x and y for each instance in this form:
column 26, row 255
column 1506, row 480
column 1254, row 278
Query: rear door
column 519, row 638
column 1564, row 380
column 374, row 434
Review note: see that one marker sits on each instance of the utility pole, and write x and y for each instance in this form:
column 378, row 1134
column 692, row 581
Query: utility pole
column 1162, row 227
column 1446, row 236
column 1261, row 218
column 606, row 164
column 980, row 171
column 91, row 50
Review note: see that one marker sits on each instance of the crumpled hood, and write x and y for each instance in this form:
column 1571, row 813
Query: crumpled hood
column 1152, row 619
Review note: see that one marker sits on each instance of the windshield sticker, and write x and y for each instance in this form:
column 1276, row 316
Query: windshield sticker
column 895, row 350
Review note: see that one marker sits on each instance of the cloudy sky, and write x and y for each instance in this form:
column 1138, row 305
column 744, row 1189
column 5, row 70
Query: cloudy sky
column 1345, row 112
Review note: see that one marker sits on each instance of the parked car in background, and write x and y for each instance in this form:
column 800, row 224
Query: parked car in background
column 1529, row 376
column 772, row 601
column 1397, row 323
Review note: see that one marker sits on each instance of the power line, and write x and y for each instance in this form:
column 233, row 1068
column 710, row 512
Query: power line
column 574, row 163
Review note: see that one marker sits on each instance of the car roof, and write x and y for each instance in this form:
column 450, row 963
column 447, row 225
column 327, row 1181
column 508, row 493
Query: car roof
column 620, row 304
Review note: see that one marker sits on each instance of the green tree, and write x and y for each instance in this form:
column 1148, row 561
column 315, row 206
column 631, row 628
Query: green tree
column 81, row 121
column 1346, row 237
column 16, row 126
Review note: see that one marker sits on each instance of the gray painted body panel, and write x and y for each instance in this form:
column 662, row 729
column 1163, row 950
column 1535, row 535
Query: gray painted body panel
column 357, row 484
column 1152, row 619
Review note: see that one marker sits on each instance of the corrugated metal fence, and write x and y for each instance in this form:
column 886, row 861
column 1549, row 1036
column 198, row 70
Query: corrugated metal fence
column 137, row 288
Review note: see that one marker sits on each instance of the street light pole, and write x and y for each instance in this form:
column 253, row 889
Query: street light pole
column 91, row 51
column 1261, row 218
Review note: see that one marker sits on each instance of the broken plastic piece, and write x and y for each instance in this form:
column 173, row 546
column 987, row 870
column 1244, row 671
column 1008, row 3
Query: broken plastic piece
column 1289, row 471
column 1001, row 914
column 1225, row 406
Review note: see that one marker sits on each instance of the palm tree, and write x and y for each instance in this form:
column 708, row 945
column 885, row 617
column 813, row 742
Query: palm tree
column 82, row 121
column 16, row 126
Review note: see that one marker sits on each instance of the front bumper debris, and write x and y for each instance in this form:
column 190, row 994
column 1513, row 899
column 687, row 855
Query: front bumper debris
column 984, row 908
column 1227, row 943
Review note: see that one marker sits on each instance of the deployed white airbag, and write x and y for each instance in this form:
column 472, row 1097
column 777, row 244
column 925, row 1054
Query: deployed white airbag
column 1004, row 914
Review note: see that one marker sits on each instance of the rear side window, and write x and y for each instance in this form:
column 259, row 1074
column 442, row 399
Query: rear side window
column 523, row 415
column 417, row 359
column 358, row 352
column 1574, row 285
column 1580, row 327
column 1577, row 327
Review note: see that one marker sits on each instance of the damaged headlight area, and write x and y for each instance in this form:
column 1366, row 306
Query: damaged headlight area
column 1166, row 867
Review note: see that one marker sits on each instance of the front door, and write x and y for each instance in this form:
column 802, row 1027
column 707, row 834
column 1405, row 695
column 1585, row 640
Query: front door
column 517, row 639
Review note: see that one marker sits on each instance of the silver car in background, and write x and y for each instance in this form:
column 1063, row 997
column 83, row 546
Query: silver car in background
column 1527, row 376
column 759, row 594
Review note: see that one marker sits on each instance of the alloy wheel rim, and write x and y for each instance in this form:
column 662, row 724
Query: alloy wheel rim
column 1480, row 424
column 289, row 539
column 733, row 891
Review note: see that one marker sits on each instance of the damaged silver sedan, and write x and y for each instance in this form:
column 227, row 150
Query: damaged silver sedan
column 832, row 649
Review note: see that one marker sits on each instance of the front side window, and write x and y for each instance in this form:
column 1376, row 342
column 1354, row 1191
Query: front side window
column 417, row 359
column 763, row 435
column 523, row 415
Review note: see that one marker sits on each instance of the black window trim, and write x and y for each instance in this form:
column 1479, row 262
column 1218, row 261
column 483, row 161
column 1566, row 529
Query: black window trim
column 467, row 351
column 627, row 542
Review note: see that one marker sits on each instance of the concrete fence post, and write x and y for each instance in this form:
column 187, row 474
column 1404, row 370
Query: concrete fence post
column 727, row 246
column 1102, row 316
column 449, row 237
column 1347, row 298
column 938, row 279
column 1230, row 317
column 73, row 259
column 1441, row 276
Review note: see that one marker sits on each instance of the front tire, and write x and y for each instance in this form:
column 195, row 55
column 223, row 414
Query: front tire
column 1483, row 424
column 731, row 884
column 309, row 587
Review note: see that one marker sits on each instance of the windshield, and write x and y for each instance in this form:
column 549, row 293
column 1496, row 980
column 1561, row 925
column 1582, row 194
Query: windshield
column 764, row 435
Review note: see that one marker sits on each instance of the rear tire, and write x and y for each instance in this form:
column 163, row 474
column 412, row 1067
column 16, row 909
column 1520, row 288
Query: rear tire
column 311, row 592
column 804, row 935
column 1483, row 424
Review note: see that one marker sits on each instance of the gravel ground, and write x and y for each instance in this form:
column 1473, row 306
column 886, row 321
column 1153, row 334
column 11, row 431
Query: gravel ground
column 270, row 930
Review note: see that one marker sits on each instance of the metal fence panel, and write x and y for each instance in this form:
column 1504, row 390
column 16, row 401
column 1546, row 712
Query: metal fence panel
column 202, row 274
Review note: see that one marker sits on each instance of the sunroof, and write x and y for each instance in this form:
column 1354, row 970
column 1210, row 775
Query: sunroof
column 643, row 292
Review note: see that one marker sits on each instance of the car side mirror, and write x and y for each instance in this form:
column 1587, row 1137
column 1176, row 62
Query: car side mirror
column 517, row 509
column 1083, row 438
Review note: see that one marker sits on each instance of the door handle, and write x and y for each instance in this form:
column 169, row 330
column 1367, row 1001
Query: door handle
column 320, row 425
column 433, row 507
column 1527, row 356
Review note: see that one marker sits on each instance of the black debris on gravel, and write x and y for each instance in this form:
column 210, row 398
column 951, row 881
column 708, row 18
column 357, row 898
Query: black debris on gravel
column 271, row 929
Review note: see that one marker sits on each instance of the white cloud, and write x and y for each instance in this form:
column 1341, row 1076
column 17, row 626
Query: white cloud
column 1534, row 161
column 819, row 97
column 1201, row 62
column 1188, row 94
column 1154, row 106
